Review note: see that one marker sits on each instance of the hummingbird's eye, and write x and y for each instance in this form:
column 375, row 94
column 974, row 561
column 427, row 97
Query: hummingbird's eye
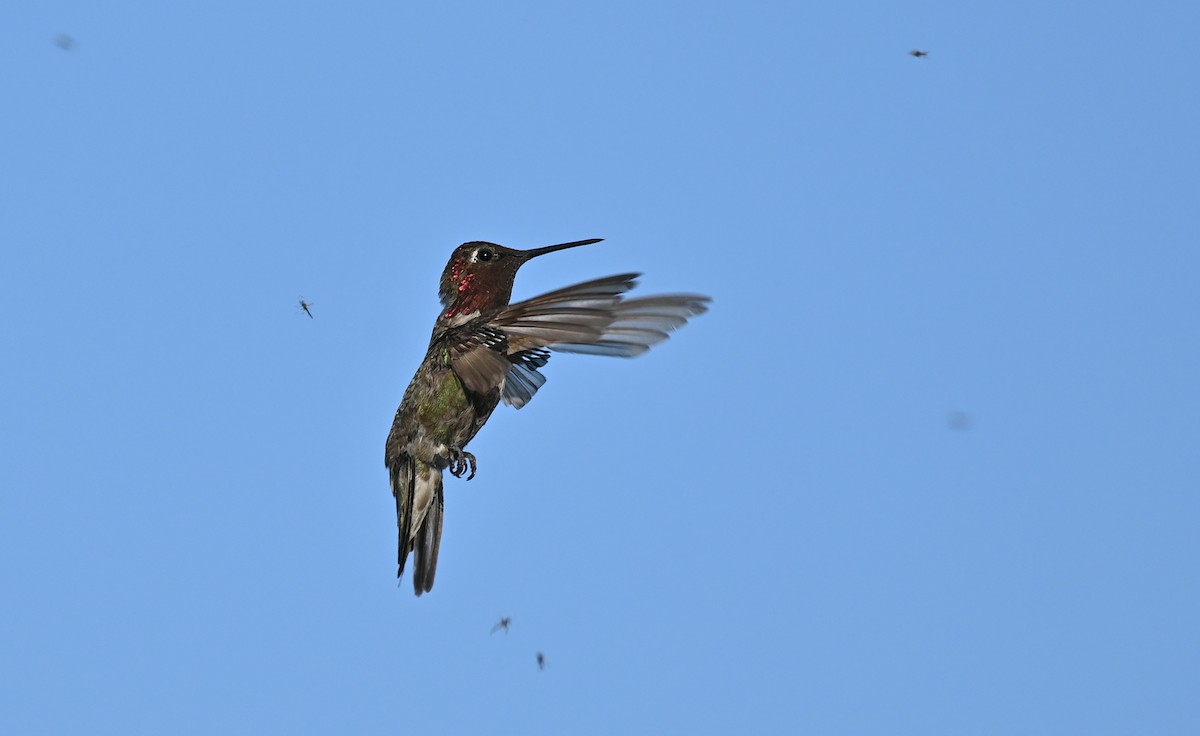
column 484, row 254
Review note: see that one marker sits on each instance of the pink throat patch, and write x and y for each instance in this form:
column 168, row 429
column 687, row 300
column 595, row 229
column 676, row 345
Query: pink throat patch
column 465, row 303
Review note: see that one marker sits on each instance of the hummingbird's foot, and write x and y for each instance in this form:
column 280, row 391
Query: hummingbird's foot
column 460, row 462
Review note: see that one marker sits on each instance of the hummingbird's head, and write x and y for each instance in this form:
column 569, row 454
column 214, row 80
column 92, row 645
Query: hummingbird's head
column 480, row 274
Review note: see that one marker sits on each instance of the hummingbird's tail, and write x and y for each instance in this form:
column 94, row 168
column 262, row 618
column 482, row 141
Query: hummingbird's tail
column 428, row 538
column 417, row 487
column 402, row 474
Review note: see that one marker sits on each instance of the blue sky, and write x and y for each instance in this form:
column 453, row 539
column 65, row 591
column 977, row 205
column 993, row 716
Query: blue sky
column 768, row 524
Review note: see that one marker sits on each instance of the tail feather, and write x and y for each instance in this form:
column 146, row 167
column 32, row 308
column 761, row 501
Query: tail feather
column 428, row 541
column 403, row 477
column 417, row 487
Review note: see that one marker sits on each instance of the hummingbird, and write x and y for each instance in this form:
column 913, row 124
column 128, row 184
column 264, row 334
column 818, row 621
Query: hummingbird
column 484, row 350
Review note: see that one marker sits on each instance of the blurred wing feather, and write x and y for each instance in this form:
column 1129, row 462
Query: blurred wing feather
column 478, row 359
column 524, row 379
column 639, row 324
column 575, row 314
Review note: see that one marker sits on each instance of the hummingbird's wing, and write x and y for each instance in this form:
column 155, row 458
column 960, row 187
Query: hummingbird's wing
column 593, row 318
column 639, row 324
column 523, row 378
column 578, row 313
column 487, row 354
column 477, row 355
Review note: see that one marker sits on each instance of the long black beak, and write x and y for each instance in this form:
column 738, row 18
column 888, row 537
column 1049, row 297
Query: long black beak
column 535, row 252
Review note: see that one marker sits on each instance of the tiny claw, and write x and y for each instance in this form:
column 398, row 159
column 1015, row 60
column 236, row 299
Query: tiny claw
column 460, row 462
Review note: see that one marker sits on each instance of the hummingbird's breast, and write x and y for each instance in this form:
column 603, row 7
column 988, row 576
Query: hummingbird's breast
column 445, row 403
column 438, row 412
